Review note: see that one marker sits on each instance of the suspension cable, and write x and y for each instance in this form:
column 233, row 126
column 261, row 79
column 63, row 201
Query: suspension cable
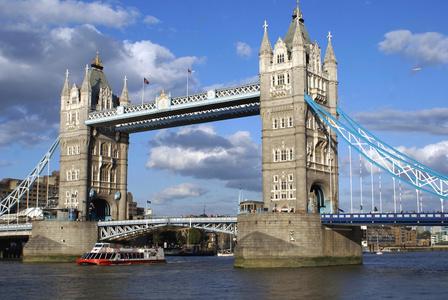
column 360, row 180
column 37, row 197
column 371, row 183
column 351, row 178
column 418, row 204
column 48, row 180
column 399, row 199
column 395, row 199
column 380, row 186
column 330, row 159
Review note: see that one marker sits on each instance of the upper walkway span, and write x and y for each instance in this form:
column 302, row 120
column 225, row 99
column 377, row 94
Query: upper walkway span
column 213, row 105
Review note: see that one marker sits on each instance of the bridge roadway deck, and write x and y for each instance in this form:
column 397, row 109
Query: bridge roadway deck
column 120, row 229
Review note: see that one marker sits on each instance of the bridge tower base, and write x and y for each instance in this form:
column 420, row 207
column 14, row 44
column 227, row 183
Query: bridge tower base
column 275, row 240
column 59, row 241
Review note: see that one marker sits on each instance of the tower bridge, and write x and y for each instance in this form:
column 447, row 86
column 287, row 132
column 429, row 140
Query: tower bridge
column 297, row 100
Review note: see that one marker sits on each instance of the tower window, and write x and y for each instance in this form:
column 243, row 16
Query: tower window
column 280, row 58
column 283, row 158
column 291, row 154
column 276, row 155
column 281, row 79
column 275, row 124
column 290, row 122
column 290, row 177
column 283, row 123
column 275, row 178
column 273, row 80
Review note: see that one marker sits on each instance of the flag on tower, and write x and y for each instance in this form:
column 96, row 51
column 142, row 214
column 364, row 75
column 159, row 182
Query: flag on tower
column 189, row 71
column 145, row 81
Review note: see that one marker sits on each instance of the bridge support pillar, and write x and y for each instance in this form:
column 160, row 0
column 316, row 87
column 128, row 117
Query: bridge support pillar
column 59, row 241
column 274, row 240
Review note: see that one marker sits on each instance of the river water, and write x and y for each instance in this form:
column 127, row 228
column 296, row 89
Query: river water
column 390, row 276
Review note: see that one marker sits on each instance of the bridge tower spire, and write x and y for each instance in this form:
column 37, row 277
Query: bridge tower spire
column 299, row 159
column 93, row 161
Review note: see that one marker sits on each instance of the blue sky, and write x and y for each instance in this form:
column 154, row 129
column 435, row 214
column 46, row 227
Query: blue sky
column 392, row 57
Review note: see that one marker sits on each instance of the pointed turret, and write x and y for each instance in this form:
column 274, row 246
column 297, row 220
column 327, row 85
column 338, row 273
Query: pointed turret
column 297, row 26
column 265, row 50
column 297, row 38
column 265, row 43
column 124, row 98
column 65, row 89
column 329, row 53
column 331, row 68
column 85, row 86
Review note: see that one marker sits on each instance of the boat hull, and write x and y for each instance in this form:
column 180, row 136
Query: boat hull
column 108, row 262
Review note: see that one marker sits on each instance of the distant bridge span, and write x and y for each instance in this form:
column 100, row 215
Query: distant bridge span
column 122, row 230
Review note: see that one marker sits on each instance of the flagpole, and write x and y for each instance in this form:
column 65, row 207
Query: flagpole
column 188, row 75
column 143, row 92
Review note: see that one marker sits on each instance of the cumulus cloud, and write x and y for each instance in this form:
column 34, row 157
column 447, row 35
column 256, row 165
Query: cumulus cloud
column 151, row 20
column 433, row 121
column 177, row 192
column 26, row 128
column 243, row 49
column 428, row 48
column 33, row 62
column 434, row 156
column 49, row 12
column 199, row 152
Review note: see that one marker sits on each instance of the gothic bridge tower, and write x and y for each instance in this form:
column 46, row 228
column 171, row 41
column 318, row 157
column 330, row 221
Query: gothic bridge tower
column 93, row 161
column 299, row 159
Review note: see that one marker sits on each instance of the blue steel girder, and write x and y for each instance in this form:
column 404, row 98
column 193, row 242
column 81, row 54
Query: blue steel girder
column 392, row 161
column 378, row 219
column 211, row 106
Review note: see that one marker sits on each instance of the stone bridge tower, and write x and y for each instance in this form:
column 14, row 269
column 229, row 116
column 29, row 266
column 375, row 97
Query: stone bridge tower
column 93, row 161
column 299, row 159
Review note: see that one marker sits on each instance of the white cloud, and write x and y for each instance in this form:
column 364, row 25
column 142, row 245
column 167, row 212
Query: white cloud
column 434, row 156
column 433, row 121
column 33, row 62
column 151, row 20
column 425, row 48
column 67, row 12
column 177, row 192
column 243, row 49
column 200, row 152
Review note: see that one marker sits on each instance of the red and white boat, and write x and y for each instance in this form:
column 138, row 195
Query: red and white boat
column 104, row 254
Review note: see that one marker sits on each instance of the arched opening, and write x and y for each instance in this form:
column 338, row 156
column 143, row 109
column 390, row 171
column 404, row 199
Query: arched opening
column 99, row 210
column 317, row 203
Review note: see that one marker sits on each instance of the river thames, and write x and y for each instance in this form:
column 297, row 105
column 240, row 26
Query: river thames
column 395, row 276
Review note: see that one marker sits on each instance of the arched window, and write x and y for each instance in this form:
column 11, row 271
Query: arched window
column 280, row 58
column 104, row 149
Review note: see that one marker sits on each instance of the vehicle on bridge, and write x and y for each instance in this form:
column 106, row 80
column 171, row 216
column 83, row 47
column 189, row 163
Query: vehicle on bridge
column 104, row 254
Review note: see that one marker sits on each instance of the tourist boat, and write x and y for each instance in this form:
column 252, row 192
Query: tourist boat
column 226, row 252
column 105, row 254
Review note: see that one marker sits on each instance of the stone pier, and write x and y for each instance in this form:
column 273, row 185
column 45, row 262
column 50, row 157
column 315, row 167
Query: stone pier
column 294, row 240
column 59, row 241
